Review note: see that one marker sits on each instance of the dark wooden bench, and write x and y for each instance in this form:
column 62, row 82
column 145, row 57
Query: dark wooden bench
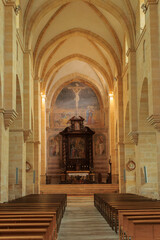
column 125, row 218
column 109, row 205
column 32, row 217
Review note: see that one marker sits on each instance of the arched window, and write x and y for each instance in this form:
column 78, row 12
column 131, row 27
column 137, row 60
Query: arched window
column 142, row 14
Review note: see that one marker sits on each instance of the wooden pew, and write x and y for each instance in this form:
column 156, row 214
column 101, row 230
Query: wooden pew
column 32, row 217
column 109, row 205
column 147, row 229
column 31, row 226
column 125, row 219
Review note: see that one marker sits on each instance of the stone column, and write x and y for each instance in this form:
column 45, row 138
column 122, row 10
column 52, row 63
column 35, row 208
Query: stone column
column 114, row 160
column 133, row 109
column 4, row 146
column 37, row 166
column 43, row 139
column 37, row 135
column 120, row 128
column 152, row 30
column 27, row 90
column 16, row 162
column 30, row 161
column 10, row 57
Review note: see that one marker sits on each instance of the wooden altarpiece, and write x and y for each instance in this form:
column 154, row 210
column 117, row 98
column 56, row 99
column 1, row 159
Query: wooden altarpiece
column 77, row 147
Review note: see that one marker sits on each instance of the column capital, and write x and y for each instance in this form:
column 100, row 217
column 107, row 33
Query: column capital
column 2, row 110
column 134, row 136
column 154, row 120
column 27, row 133
column 9, row 117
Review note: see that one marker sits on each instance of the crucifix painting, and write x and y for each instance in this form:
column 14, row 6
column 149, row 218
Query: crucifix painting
column 76, row 89
column 77, row 99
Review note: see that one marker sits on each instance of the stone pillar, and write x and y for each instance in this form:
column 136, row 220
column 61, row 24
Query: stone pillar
column 133, row 109
column 37, row 134
column 16, row 142
column 152, row 30
column 37, row 166
column 30, row 160
column 120, row 128
column 27, row 90
column 43, row 139
column 4, row 146
column 152, row 23
column 114, row 160
column 130, row 175
column 10, row 57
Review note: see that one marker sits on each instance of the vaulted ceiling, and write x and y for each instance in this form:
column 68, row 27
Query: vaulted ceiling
column 80, row 39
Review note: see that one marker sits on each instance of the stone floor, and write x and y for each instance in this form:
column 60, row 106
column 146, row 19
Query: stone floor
column 82, row 221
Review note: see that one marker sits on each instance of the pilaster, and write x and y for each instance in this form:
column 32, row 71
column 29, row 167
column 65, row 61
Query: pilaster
column 132, row 91
column 37, row 134
column 152, row 30
column 121, row 155
column 27, row 90
column 10, row 56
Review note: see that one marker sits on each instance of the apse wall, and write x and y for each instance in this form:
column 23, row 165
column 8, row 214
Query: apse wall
column 77, row 99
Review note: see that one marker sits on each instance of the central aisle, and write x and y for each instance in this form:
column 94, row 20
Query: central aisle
column 82, row 221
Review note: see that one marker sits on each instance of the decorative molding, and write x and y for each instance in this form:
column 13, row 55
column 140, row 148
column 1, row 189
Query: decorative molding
column 9, row 117
column 154, row 120
column 133, row 136
column 27, row 133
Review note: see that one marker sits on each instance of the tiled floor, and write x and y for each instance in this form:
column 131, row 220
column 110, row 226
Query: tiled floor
column 82, row 221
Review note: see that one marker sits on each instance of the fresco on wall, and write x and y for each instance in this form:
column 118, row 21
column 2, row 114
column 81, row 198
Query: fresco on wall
column 77, row 99
column 54, row 145
column 100, row 145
